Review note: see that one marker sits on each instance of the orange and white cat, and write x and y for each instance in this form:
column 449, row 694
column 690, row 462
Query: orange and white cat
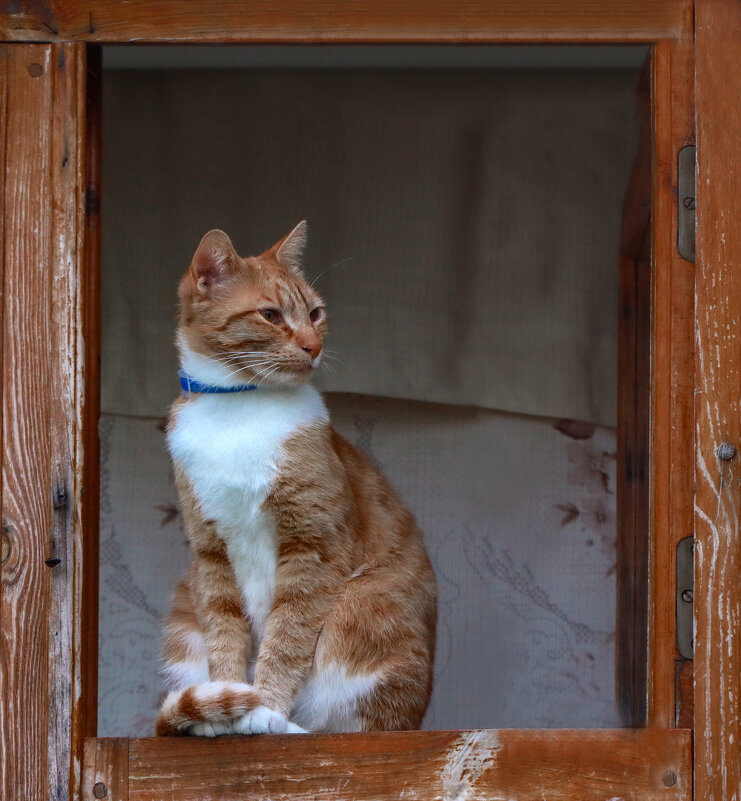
column 311, row 603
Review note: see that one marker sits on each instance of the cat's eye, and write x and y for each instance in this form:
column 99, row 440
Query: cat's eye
column 316, row 314
column 272, row 316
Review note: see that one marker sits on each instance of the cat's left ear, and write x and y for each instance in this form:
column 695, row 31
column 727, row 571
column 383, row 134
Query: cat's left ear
column 290, row 249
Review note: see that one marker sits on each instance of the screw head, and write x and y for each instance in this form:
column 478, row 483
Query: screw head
column 725, row 451
column 687, row 596
column 670, row 778
column 100, row 790
column 35, row 69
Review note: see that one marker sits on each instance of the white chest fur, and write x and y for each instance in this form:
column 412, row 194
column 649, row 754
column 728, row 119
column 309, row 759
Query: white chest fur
column 229, row 447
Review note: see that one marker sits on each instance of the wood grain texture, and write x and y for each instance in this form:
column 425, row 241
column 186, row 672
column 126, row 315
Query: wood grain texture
column 685, row 693
column 505, row 764
column 26, row 447
column 40, row 743
column 340, row 20
column 67, row 66
column 672, row 360
column 105, row 770
column 717, row 646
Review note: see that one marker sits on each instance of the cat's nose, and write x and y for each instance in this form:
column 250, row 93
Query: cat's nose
column 312, row 345
column 312, row 350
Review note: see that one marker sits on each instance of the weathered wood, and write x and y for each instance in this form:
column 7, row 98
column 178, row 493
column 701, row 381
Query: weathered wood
column 556, row 765
column 717, row 647
column 503, row 764
column 685, row 694
column 105, row 770
column 634, row 371
column 26, row 446
column 67, row 66
column 672, row 365
column 41, row 401
column 342, row 20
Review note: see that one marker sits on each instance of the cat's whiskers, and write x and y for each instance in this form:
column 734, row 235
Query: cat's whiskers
column 243, row 366
column 267, row 375
column 241, row 362
column 232, row 360
column 265, row 372
column 243, row 353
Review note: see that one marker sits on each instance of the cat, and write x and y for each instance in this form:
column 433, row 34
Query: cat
column 310, row 604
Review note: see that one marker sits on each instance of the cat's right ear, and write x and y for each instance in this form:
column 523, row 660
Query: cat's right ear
column 214, row 261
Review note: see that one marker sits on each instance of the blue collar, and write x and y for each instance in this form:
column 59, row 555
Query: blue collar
column 190, row 385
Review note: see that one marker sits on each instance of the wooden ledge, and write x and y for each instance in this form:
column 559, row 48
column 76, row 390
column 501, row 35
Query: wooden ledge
column 553, row 764
column 343, row 20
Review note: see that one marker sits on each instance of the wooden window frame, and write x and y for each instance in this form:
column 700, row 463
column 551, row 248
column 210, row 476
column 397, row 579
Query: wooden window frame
column 49, row 245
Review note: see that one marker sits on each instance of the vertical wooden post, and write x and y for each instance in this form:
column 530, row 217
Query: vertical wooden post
column 672, row 366
column 42, row 398
column 718, row 400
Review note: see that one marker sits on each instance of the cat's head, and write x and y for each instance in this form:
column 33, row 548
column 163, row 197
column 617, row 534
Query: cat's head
column 252, row 319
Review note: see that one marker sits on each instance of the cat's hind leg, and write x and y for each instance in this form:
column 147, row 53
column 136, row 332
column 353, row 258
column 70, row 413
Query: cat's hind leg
column 373, row 662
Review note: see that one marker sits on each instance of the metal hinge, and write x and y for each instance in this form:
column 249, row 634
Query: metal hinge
column 685, row 596
column 686, row 163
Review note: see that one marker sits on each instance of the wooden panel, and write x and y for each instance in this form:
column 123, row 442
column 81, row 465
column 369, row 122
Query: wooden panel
column 718, row 395
column 342, row 20
column 26, row 446
column 67, row 66
column 685, row 693
column 557, row 765
column 672, row 364
column 42, row 394
column 106, row 770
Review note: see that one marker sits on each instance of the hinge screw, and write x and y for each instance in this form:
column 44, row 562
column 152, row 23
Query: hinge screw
column 687, row 596
column 100, row 790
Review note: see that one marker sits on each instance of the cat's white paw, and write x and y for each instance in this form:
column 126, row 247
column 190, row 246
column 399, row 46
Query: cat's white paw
column 210, row 729
column 261, row 720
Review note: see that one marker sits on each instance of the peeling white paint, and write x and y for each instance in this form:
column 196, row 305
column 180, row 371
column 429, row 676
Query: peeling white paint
column 468, row 759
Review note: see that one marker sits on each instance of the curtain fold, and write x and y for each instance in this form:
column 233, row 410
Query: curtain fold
column 463, row 224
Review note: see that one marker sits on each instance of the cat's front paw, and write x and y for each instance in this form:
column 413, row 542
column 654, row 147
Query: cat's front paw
column 261, row 720
column 210, row 729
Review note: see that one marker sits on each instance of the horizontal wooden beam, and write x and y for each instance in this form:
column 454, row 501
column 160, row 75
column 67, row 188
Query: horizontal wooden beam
column 342, row 20
column 558, row 765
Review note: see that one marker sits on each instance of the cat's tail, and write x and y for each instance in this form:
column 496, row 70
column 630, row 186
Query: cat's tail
column 207, row 709
column 183, row 647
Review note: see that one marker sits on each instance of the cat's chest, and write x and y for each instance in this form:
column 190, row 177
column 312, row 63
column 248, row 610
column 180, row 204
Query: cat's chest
column 229, row 446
